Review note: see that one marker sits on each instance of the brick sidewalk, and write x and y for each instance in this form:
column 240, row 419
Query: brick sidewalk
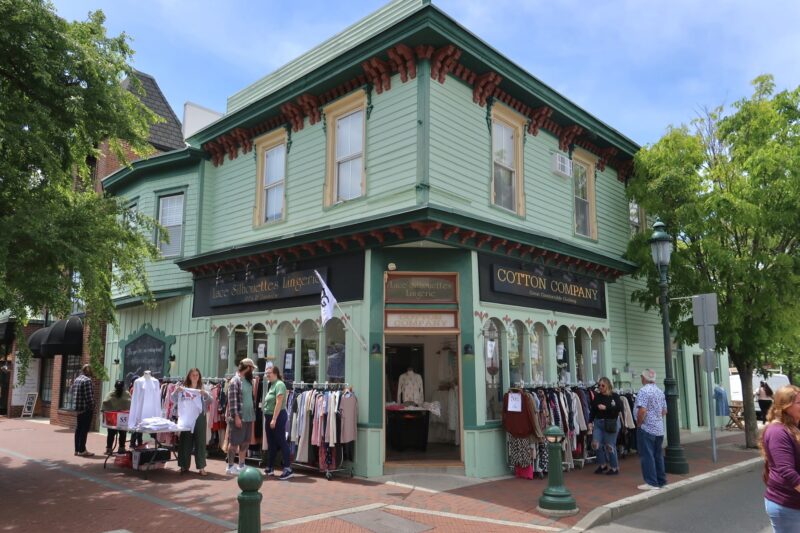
column 55, row 491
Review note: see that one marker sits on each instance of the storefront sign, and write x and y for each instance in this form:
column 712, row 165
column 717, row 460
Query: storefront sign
column 420, row 320
column 30, row 405
column 421, row 288
column 516, row 283
column 258, row 289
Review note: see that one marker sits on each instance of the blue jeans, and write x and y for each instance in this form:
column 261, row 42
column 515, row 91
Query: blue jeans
column 651, row 455
column 276, row 440
column 605, row 444
column 783, row 519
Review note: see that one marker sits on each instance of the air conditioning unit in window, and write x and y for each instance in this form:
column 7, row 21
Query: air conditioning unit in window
column 562, row 165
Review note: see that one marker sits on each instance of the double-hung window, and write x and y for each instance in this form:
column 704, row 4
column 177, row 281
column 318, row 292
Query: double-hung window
column 507, row 173
column 584, row 197
column 635, row 217
column 271, row 182
column 170, row 217
column 346, row 127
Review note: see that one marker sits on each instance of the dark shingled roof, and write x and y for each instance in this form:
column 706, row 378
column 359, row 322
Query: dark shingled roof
column 165, row 136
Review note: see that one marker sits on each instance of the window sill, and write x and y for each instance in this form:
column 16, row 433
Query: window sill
column 270, row 224
column 507, row 211
column 585, row 237
column 172, row 258
column 344, row 203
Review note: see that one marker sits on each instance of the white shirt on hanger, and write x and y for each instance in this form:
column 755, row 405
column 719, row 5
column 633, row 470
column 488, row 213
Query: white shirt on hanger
column 410, row 388
column 145, row 401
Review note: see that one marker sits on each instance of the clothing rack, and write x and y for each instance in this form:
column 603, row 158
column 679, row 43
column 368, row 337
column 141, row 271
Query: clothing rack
column 301, row 385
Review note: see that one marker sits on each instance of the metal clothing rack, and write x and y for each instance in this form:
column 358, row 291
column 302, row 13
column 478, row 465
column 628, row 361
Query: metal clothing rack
column 326, row 386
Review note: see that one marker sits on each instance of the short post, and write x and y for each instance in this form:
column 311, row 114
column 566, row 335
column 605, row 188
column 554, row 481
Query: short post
column 249, row 500
column 556, row 500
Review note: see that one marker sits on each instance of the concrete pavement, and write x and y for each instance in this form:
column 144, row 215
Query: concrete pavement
column 38, row 471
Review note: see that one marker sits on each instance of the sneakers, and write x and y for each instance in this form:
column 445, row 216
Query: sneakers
column 647, row 486
column 269, row 471
column 232, row 470
column 610, row 472
column 241, row 467
column 287, row 474
column 109, row 451
column 85, row 454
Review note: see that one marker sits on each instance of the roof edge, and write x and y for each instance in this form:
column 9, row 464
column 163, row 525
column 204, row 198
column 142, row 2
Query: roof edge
column 176, row 158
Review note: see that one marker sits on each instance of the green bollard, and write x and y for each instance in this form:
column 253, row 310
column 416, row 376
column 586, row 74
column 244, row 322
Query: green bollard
column 249, row 500
column 556, row 500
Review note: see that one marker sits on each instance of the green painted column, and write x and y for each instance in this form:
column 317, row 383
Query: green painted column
column 573, row 370
column 232, row 352
column 322, row 372
column 374, row 269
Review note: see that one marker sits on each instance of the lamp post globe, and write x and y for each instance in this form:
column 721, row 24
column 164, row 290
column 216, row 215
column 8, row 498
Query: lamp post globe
column 661, row 249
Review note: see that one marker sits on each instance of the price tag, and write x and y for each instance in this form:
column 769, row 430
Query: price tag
column 514, row 402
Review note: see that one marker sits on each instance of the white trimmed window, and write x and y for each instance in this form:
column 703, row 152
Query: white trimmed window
column 345, row 177
column 584, row 197
column 271, row 182
column 170, row 217
column 635, row 217
column 507, row 173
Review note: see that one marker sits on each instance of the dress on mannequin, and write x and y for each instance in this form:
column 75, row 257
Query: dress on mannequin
column 410, row 388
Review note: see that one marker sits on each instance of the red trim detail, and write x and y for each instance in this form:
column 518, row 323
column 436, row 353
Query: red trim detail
column 424, row 51
column 310, row 105
column 538, row 116
column 485, row 86
column 295, row 114
column 568, row 135
column 378, row 235
column 444, row 61
column 449, row 232
column 498, row 244
column 467, row 236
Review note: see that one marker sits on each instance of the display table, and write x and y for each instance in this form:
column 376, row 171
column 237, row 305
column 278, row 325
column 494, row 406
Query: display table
column 407, row 428
column 155, row 454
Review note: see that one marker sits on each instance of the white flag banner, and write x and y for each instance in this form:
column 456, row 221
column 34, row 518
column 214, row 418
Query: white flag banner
column 327, row 300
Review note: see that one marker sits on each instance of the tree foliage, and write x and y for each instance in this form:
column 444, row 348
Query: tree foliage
column 60, row 97
column 728, row 188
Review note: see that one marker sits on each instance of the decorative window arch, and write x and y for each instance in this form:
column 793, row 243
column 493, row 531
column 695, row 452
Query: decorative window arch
column 493, row 339
column 562, row 359
column 538, row 352
column 222, row 337
column 517, row 353
column 309, row 351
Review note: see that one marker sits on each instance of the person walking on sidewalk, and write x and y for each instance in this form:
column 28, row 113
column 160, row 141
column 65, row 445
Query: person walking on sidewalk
column 764, row 400
column 651, row 407
column 275, row 423
column 117, row 400
column 605, row 411
column 241, row 414
column 189, row 441
column 780, row 448
column 83, row 393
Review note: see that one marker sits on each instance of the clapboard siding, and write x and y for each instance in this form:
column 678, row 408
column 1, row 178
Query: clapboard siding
column 460, row 168
column 391, row 176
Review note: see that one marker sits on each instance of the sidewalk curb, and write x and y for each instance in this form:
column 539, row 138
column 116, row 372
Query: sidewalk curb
column 632, row 504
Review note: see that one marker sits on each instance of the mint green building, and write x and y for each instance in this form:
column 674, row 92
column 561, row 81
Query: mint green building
column 469, row 220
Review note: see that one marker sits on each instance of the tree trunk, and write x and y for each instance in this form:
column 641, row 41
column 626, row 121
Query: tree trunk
column 746, row 369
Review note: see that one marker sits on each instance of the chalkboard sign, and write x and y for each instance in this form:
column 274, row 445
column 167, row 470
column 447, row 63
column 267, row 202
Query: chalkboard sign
column 143, row 353
column 30, row 405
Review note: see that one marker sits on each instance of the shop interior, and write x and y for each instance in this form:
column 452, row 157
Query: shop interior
column 422, row 399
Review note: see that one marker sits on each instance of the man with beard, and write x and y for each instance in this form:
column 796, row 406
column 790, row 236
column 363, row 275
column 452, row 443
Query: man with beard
column 241, row 414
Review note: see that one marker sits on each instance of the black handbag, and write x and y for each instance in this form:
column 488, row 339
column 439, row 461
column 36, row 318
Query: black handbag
column 609, row 425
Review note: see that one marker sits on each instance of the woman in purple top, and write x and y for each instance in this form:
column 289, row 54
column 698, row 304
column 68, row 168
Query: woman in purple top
column 780, row 447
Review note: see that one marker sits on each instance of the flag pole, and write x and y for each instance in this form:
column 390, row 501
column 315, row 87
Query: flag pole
column 350, row 325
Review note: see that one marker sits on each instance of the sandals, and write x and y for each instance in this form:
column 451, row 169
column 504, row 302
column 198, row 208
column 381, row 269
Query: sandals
column 203, row 473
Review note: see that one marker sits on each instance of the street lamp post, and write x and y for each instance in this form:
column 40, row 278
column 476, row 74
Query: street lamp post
column 661, row 249
column 556, row 500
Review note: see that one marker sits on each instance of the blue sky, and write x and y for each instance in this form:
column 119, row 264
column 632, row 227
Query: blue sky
column 638, row 65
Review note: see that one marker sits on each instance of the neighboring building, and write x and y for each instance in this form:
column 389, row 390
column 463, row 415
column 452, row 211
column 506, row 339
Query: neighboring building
column 60, row 347
column 470, row 221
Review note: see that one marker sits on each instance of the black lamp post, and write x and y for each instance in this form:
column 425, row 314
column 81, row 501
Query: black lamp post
column 661, row 249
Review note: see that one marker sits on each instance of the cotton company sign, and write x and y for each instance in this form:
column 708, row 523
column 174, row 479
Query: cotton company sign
column 552, row 285
column 257, row 289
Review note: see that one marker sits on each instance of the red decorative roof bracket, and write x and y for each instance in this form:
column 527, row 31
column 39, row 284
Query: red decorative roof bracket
column 605, row 155
column 514, row 247
column 424, row 51
column 403, row 61
column 295, row 114
column 397, row 231
column 359, row 239
column 485, row 84
column 624, row 170
column 444, row 61
column 242, row 136
column 341, row 241
column 449, row 232
column 498, row 243
column 383, row 81
column 538, row 116
column 568, row 136
column 483, row 240
column 310, row 105
column 425, row 228
column 467, row 236
column 377, row 235
column 325, row 245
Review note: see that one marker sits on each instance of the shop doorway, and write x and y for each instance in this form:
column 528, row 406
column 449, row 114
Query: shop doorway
column 422, row 399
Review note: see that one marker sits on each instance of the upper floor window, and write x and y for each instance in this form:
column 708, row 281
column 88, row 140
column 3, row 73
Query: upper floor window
column 635, row 217
column 346, row 130
column 584, row 197
column 271, row 182
column 507, row 173
column 170, row 217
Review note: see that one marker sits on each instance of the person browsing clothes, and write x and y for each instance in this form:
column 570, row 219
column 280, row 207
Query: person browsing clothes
column 117, row 400
column 241, row 414
column 275, row 423
column 606, row 407
column 651, row 407
column 192, row 393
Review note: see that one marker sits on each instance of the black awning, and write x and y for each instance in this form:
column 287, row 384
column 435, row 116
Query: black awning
column 36, row 339
column 7, row 332
column 65, row 338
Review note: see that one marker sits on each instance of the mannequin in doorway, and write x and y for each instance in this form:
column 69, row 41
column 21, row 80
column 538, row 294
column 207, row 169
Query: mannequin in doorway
column 410, row 388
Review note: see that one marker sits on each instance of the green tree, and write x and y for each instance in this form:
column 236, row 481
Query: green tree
column 60, row 96
column 728, row 188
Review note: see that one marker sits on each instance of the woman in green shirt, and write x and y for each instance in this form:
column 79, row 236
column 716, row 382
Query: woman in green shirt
column 275, row 422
